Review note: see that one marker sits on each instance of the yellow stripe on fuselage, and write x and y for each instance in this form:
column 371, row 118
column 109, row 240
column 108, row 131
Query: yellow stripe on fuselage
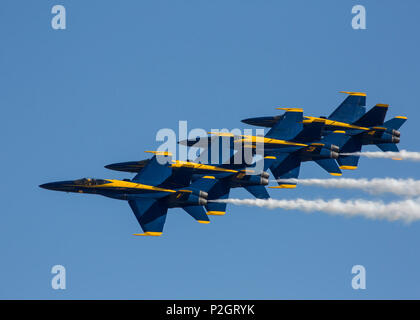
column 199, row 166
column 333, row 123
column 257, row 139
column 129, row 185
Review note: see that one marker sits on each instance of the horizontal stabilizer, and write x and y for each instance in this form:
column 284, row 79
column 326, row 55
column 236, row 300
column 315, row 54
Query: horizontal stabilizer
column 392, row 147
column 329, row 165
column 258, row 191
column 286, row 167
column 349, row 162
column 219, row 192
column 198, row 213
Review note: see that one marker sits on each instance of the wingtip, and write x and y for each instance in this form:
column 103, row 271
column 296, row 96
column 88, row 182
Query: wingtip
column 363, row 94
column 216, row 213
column 148, row 233
column 284, row 186
column 348, row 167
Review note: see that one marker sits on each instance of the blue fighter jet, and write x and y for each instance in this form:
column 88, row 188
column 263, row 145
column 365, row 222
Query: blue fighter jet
column 149, row 193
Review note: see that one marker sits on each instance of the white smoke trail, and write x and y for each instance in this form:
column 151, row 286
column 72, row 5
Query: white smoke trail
column 403, row 154
column 400, row 187
column 405, row 210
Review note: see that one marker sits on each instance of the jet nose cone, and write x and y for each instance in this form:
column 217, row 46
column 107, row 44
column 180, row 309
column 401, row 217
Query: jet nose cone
column 47, row 186
column 250, row 121
column 57, row 186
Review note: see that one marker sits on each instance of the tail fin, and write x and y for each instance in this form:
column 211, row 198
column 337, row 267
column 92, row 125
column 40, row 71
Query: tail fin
column 203, row 184
column 289, row 126
column 337, row 138
column 311, row 132
column 268, row 162
column 157, row 170
column 395, row 123
column 374, row 117
column 219, row 150
column 351, row 109
column 263, row 164
column 329, row 165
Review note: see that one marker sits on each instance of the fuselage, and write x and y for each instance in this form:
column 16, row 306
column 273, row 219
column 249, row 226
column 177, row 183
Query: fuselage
column 128, row 190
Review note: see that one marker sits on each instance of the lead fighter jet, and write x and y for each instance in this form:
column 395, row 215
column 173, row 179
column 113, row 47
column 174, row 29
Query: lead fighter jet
column 147, row 194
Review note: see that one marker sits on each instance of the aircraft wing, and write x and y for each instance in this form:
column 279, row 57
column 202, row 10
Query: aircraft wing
column 151, row 214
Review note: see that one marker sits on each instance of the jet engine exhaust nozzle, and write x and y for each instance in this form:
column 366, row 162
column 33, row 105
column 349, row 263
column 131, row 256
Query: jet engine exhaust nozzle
column 334, row 155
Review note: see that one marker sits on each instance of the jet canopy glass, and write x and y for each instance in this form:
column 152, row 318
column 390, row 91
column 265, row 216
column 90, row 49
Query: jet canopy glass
column 90, row 182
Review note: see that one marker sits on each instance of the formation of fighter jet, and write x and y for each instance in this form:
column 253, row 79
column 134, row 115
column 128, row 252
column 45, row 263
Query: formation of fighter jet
column 161, row 183
column 361, row 127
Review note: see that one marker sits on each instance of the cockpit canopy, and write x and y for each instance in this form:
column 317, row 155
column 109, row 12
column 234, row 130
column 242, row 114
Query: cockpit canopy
column 90, row 182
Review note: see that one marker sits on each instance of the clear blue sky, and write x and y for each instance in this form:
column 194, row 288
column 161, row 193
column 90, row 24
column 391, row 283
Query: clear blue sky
column 75, row 100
